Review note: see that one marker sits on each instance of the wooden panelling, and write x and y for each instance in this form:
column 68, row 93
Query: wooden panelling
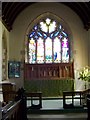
column 48, row 71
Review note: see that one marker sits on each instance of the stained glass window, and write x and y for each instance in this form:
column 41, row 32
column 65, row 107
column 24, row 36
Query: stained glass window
column 48, row 43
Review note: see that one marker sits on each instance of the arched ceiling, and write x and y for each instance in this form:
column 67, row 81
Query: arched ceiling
column 10, row 10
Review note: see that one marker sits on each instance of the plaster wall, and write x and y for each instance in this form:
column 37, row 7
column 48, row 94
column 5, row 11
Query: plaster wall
column 79, row 36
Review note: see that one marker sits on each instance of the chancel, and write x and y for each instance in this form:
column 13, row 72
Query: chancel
column 44, row 60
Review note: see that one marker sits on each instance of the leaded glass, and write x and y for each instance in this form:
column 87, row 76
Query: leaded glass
column 48, row 42
column 45, row 35
column 40, row 51
column 32, row 49
column 43, row 27
column 57, row 50
column 64, row 34
column 65, row 50
column 48, row 50
column 48, row 21
column 56, row 34
column 52, row 26
column 32, row 34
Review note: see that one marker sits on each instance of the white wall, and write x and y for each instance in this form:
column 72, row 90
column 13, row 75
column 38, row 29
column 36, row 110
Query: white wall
column 2, row 30
column 79, row 34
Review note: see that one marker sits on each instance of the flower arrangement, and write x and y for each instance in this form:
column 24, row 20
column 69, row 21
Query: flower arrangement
column 84, row 74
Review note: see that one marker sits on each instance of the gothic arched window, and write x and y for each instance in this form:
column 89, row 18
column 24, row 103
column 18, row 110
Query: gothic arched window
column 48, row 43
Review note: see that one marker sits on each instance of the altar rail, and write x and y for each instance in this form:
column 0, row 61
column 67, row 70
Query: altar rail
column 17, row 109
column 48, row 71
column 81, row 95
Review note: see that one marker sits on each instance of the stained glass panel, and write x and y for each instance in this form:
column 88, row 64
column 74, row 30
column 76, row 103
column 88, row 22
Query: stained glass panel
column 43, row 27
column 57, row 50
column 32, row 49
column 52, row 26
column 31, row 34
column 65, row 50
column 40, row 50
column 48, row 20
column 48, row 50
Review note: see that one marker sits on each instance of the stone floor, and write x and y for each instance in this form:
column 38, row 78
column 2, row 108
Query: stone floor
column 68, row 116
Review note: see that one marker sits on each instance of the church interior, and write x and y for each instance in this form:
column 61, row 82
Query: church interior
column 44, row 60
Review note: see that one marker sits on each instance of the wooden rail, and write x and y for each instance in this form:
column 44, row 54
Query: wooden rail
column 74, row 95
column 12, row 111
column 81, row 95
column 33, row 96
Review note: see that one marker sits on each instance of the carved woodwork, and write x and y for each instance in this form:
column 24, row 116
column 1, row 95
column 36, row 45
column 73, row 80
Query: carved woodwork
column 48, row 71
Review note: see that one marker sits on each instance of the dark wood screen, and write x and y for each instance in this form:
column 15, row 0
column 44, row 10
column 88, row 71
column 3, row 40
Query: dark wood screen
column 48, row 71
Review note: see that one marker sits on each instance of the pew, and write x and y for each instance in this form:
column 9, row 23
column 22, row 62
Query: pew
column 12, row 111
column 16, row 109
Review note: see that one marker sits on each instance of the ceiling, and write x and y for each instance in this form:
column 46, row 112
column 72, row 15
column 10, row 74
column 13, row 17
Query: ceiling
column 10, row 10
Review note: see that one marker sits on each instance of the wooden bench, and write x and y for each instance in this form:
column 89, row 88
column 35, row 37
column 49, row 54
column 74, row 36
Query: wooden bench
column 16, row 109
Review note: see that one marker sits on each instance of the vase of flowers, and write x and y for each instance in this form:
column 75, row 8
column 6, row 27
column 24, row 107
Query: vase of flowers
column 84, row 74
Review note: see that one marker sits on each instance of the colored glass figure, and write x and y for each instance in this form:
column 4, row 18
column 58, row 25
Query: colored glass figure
column 40, row 51
column 65, row 50
column 32, row 49
column 48, row 50
column 57, row 50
